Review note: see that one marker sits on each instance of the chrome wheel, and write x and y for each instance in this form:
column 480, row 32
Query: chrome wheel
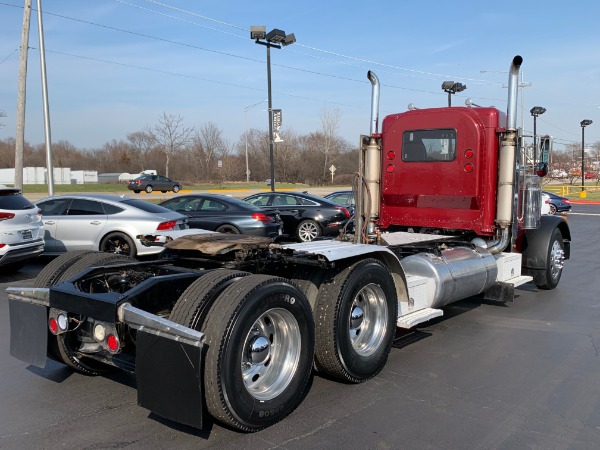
column 271, row 354
column 308, row 231
column 368, row 320
column 557, row 258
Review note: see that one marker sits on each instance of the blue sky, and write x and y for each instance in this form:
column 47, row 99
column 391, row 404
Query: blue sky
column 114, row 66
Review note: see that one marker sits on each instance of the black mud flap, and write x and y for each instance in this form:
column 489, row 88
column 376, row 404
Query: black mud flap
column 28, row 332
column 169, row 378
column 500, row 292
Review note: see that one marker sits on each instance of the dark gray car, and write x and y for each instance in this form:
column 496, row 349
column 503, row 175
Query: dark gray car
column 151, row 183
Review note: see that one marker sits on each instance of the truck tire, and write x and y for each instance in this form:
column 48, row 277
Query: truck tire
column 549, row 277
column 356, row 314
column 309, row 279
column 51, row 273
column 67, row 343
column 195, row 302
column 260, row 339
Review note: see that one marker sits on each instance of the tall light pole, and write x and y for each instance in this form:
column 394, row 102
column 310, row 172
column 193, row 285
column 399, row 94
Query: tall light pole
column 452, row 88
column 584, row 123
column 246, row 135
column 535, row 112
column 275, row 39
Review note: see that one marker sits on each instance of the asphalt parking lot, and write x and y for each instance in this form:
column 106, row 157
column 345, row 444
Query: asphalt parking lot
column 484, row 376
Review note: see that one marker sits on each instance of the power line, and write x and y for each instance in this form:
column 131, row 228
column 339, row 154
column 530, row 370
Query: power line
column 9, row 55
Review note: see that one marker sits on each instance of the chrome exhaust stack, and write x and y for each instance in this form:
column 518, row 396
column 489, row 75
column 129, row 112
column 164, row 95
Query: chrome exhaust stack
column 506, row 161
column 367, row 202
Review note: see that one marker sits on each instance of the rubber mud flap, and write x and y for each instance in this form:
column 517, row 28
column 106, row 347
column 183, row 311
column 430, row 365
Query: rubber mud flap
column 169, row 378
column 28, row 332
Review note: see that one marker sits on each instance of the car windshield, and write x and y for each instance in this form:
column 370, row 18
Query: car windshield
column 146, row 206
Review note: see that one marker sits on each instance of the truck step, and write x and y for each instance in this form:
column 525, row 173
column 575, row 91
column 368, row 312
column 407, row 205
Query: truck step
column 423, row 315
column 518, row 281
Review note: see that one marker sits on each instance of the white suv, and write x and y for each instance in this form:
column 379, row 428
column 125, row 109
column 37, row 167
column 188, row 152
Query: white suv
column 21, row 230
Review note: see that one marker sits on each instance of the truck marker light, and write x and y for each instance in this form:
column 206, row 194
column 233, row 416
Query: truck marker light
column 469, row 167
column 469, row 153
column 53, row 325
column 391, row 154
column 99, row 332
column 113, row 343
column 62, row 322
column 389, row 168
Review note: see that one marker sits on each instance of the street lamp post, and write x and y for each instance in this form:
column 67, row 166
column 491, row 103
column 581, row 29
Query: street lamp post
column 584, row 123
column 452, row 88
column 535, row 112
column 273, row 39
column 246, row 136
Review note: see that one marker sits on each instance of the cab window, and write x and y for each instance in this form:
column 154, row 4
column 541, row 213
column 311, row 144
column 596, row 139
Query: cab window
column 429, row 145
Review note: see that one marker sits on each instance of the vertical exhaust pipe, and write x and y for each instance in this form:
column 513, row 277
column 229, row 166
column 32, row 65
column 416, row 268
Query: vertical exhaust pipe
column 367, row 202
column 506, row 161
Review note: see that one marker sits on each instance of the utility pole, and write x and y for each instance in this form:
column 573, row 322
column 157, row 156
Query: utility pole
column 21, row 96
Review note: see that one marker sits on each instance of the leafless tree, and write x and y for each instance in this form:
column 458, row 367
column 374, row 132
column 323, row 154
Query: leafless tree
column 330, row 123
column 208, row 145
column 2, row 114
column 143, row 143
column 171, row 135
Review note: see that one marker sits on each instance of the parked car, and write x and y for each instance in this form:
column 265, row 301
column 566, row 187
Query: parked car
column 591, row 176
column 345, row 198
column 226, row 215
column 21, row 230
column 104, row 222
column 305, row 216
column 151, row 183
column 556, row 203
column 545, row 204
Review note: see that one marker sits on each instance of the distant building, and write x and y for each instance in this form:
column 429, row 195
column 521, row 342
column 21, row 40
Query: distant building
column 38, row 175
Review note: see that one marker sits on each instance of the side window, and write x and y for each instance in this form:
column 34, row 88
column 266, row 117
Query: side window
column 213, row 205
column 53, row 207
column 111, row 209
column 82, row 207
column 260, row 200
column 429, row 145
column 305, row 201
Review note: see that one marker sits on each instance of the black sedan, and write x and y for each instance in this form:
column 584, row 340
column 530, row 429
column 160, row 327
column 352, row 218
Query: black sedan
column 226, row 215
column 151, row 183
column 305, row 216
column 557, row 203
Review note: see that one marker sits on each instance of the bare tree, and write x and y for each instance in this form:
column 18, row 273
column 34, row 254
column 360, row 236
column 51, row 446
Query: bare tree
column 143, row 143
column 171, row 135
column 2, row 114
column 330, row 123
column 208, row 144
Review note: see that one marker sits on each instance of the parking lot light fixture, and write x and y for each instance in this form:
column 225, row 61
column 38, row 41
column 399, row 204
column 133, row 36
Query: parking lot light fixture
column 452, row 88
column 584, row 123
column 273, row 39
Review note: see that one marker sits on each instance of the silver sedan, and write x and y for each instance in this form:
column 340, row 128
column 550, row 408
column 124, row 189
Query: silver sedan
column 109, row 223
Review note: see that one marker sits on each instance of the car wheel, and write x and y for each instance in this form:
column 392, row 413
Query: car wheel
column 228, row 229
column 136, row 191
column 118, row 243
column 148, row 189
column 175, row 189
column 164, row 192
column 553, row 209
column 308, row 230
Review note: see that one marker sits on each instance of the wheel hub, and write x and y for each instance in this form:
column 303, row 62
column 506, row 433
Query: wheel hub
column 259, row 350
column 356, row 317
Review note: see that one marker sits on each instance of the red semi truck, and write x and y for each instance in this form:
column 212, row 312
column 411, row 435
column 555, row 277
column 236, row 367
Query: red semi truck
column 235, row 325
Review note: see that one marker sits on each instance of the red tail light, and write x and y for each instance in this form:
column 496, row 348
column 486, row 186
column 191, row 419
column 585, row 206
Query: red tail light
column 165, row 226
column 344, row 210
column 5, row 215
column 2, row 245
column 138, row 181
column 547, row 201
column 566, row 200
column 261, row 217
column 113, row 343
